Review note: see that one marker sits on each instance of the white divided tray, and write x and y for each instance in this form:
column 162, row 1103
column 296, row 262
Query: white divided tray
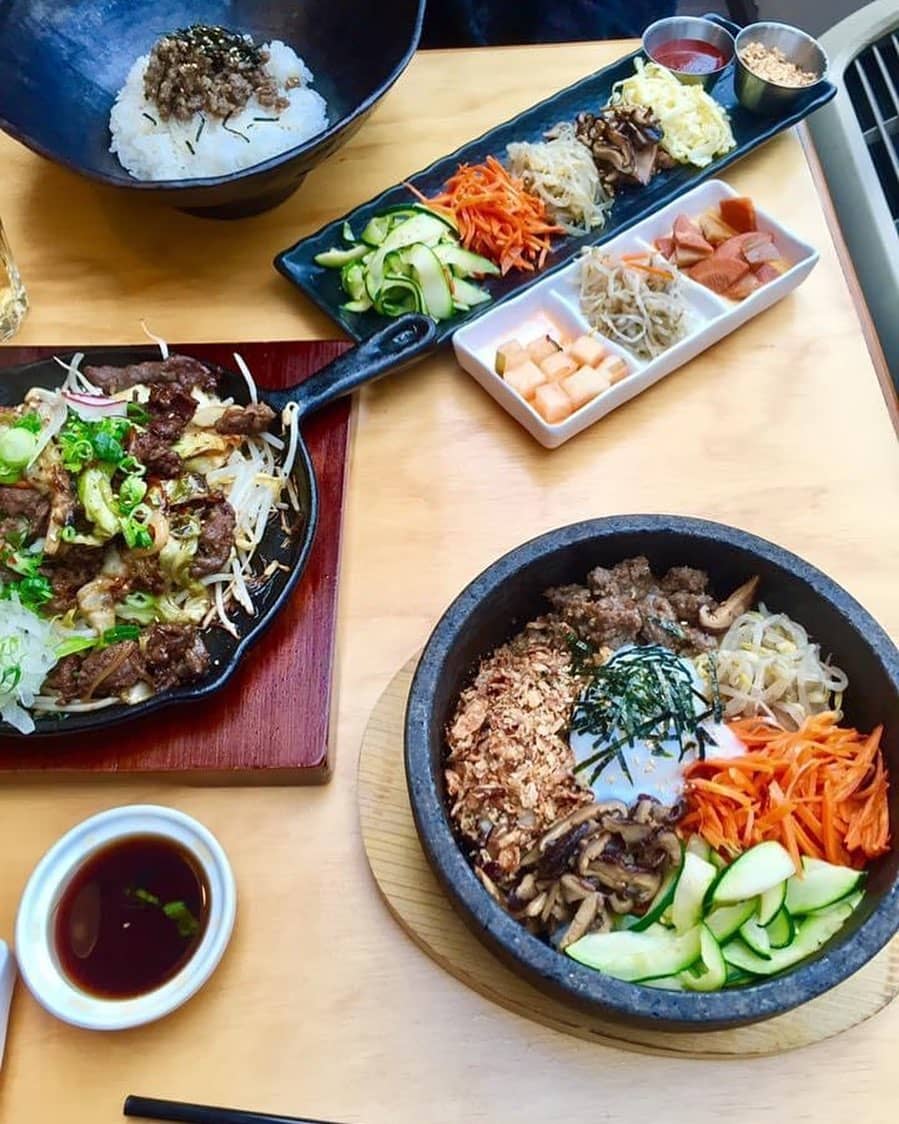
column 552, row 307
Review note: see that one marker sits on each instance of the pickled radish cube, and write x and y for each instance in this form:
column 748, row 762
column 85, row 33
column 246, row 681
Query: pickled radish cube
column 509, row 354
column 587, row 351
column 525, row 378
column 614, row 368
column 584, row 385
column 542, row 349
column 558, row 366
column 552, row 403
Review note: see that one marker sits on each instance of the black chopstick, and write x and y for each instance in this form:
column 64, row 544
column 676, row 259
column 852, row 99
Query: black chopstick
column 152, row 1109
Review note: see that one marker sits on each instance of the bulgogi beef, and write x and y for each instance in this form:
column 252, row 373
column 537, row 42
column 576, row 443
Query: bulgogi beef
column 23, row 505
column 180, row 369
column 72, row 568
column 245, row 420
column 167, row 655
column 170, row 407
column 629, row 605
column 155, row 452
column 174, row 654
column 144, row 573
column 216, row 538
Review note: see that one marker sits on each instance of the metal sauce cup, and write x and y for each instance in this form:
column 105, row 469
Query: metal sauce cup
column 690, row 27
column 760, row 95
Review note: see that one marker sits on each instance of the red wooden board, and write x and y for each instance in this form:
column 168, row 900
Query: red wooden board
column 270, row 724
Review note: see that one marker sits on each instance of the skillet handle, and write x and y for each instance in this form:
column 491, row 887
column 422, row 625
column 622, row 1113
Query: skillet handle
column 404, row 340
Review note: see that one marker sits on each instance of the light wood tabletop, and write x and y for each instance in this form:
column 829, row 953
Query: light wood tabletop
column 322, row 1006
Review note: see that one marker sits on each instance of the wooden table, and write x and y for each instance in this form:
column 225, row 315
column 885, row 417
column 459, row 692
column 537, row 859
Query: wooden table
column 322, row 1006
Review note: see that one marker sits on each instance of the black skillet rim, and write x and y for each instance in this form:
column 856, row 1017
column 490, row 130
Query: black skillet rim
column 53, row 726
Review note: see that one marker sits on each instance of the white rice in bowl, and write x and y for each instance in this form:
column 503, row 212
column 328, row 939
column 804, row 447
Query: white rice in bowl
column 153, row 149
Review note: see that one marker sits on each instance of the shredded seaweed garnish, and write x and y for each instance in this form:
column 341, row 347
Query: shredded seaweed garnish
column 190, row 148
column 150, row 118
column 644, row 692
column 236, row 132
column 200, row 129
column 582, row 654
column 266, row 118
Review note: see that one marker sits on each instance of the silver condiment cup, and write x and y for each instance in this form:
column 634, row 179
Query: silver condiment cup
column 761, row 95
column 690, row 27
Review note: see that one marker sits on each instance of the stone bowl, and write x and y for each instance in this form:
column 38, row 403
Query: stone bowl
column 509, row 593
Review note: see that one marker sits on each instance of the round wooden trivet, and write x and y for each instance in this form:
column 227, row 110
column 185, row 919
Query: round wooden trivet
column 416, row 900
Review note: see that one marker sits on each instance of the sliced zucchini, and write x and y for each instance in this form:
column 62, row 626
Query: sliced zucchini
column 759, row 869
column 635, row 956
column 423, row 227
column 357, row 306
column 347, row 233
column 463, row 262
column 376, row 230
column 718, row 861
column 725, row 920
column 813, row 932
column 696, row 877
column 757, row 937
column 352, row 278
column 771, row 902
column 712, row 974
column 663, row 899
column 781, row 929
column 696, row 845
column 437, row 300
column 410, row 210
column 821, row 885
column 466, row 293
column 334, row 259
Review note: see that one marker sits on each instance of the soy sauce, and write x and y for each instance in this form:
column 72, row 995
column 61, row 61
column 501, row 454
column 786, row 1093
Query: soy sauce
column 131, row 917
column 689, row 56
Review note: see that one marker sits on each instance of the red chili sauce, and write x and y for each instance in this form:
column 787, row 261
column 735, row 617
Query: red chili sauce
column 689, row 56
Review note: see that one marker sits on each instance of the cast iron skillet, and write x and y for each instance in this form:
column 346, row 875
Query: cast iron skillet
column 398, row 344
column 510, row 592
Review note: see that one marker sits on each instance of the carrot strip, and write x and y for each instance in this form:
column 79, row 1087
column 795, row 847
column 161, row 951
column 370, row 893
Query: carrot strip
column 821, row 790
column 495, row 215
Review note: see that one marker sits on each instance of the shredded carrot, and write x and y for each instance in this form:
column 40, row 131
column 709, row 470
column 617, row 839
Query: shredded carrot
column 495, row 215
column 821, row 791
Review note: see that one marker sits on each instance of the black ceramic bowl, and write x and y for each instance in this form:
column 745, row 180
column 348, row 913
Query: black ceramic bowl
column 496, row 604
column 62, row 64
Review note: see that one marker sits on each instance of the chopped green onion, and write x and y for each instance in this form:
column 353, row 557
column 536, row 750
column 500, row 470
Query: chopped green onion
column 121, row 632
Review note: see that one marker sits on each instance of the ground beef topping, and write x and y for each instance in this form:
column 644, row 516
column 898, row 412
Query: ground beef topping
column 208, row 69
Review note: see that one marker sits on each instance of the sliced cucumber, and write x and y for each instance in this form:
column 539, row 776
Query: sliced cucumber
column 781, row 929
column 736, row 977
column 437, row 299
column 633, row 956
column 813, row 932
column 759, row 869
column 713, row 973
column 771, row 902
column 757, row 937
column 696, row 845
column 463, row 262
column 357, row 306
column 347, row 232
column 666, row 983
column 725, row 920
column 334, row 259
column 719, row 862
column 663, row 899
column 696, row 877
column 821, row 885
column 423, row 227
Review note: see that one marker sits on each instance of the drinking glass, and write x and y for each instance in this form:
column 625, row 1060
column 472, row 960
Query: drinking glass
column 13, row 299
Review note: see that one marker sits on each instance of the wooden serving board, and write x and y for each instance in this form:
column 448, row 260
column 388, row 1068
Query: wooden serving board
column 270, row 724
column 417, row 901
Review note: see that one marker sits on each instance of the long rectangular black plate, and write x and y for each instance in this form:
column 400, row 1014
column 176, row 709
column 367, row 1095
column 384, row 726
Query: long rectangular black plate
column 590, row 94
